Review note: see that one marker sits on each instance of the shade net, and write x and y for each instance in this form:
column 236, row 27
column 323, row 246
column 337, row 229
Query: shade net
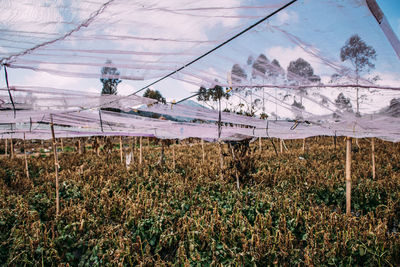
column 286, row 69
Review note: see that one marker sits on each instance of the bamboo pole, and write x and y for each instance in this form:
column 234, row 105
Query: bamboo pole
column 11, row 148
column 121, row 152
column 373, row 157
column 281, row 145
column 133, row 147
column 55, row 167
column 221, row 159
column 140, row 151
column 98, row 146
column 26, row 160
column 348, row 175
column 173, row 156
column 79, row 146
column 202, row 149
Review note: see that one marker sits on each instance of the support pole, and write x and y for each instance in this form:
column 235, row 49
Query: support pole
column 140, row 151
column 5, row 150
column 304, row 145
column 202, row 149
column 79, row 146
column 348, row 175
column 121, row 152
column 173, row 155
column 26, row 160
column 11, row 148
column 281, row 145
column 373, row 157
column 259, row 143
column 55, row 166
column 133, row 147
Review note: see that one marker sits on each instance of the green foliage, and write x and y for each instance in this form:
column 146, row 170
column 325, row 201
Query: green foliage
column 289, row 211
column 358, row 53
column 109, row 79
column 154, row 94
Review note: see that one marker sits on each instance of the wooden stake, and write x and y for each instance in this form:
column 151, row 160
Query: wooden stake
column 26, row 160
column 259, row 143
column 5, row 152
column 304, row 145
column 55, row 167
column 373, row 157
column 121, row 150
column 202, row 148
column 79, row 146
column 281, row 145
column 348, row 175
column 140, row 151
column 11, row 148
column 173, row 156
column 133, row 147
column 221, row 159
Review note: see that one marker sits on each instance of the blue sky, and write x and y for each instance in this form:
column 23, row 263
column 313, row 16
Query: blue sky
column 391, row 8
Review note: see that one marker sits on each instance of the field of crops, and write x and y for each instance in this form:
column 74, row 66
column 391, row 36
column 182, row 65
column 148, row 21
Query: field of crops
column 290, row 208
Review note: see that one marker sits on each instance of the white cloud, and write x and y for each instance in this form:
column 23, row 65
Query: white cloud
column 286, row 17
column 286, row 54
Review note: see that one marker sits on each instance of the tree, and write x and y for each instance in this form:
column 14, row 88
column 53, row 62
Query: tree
column 238, row 73
column 214, row 94
column 343, row 103
column 298, row 70
column 154, row 94
column 361, row 56
column 109, row 78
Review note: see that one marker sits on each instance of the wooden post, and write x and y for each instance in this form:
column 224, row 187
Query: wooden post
column 281, row 145
column 5, row 150
column 133, row 147
column 140, row 151
column 55, row 166
column 11, row 148
column 348, row 175
column 121, row 150
column 304, row 145
column 221, row 159
column 173, row 156
column 373, row 157
column 26, row 160
column 98, row 146
column 79, row 146
column 202, row 148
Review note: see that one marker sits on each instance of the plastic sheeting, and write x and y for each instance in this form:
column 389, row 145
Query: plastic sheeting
column 288, row 67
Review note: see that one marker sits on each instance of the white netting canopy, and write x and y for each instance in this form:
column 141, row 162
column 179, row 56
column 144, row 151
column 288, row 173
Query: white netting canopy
column 276, row 68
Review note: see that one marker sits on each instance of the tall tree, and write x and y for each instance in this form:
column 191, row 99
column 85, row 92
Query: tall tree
column 238, row 74
column 109, row 78
column 343, row 103
column 154, row 94
column 215, row 94
column 301, row 72
column 361, row 56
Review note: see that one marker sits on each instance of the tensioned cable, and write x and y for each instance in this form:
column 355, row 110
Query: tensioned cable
column 217, row 47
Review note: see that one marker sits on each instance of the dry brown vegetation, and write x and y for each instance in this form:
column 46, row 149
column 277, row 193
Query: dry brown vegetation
column 289, row 209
